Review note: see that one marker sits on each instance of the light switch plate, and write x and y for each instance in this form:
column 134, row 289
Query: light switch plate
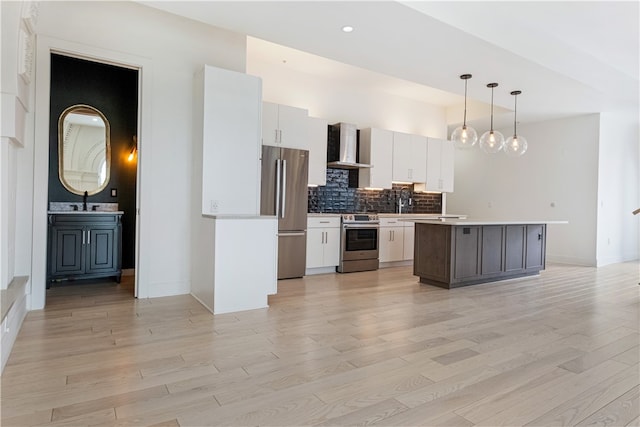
column 114, row 192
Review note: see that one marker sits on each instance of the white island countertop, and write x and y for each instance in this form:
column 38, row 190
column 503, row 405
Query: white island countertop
column 474, row 221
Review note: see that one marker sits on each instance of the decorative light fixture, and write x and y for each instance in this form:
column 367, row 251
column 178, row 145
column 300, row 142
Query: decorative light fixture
column 134, row 150
column 464, row 137
column 492, row 141
column 515, row 145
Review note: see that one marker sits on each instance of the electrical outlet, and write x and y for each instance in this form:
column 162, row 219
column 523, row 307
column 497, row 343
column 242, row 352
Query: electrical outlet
column 114, row 192
column 214, row 206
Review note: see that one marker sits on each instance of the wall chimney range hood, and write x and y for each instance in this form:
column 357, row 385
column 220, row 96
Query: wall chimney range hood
column 343, row 147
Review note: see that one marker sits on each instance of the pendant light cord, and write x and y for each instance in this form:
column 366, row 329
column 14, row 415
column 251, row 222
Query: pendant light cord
column 491, row 109
column 515, row 115
column 464, row 120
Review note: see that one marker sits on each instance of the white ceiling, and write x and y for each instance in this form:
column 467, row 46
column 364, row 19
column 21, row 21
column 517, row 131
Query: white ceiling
column 567, row 58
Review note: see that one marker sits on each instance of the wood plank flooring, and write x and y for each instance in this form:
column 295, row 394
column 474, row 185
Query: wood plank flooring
column 371, row 348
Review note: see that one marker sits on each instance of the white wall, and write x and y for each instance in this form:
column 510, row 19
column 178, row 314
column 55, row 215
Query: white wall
column 169, row 50
column 340, row 101
column 618, row 182
column 560, row 168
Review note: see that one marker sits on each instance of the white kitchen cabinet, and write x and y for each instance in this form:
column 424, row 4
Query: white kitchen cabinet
column 317, row 146
column 391, row 240
column 323, row 242
column 285, row 126
column 228, row 107
column 440, row 166
column 409, row 157
column 376, row 149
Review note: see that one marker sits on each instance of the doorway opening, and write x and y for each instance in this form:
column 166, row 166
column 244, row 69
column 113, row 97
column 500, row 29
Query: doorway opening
column 108, row 156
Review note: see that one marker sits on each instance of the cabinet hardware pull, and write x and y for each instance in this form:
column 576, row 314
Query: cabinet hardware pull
column 539, row 236
column 326, row 237
column 324, row 222
column 88, row 237
column 83, row 238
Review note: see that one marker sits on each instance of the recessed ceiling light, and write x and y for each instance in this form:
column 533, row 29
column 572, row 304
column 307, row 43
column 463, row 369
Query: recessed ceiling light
column 347, row 28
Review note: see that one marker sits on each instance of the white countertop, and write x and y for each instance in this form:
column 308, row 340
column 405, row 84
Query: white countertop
column 415, row 216
column 473, row 221
column 324, row 214
column 85, row 212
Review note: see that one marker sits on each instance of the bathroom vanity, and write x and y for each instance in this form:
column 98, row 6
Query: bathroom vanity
column 84, row 245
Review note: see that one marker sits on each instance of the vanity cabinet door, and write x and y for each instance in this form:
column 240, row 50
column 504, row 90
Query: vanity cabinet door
column 102, row 243
column 67, row 245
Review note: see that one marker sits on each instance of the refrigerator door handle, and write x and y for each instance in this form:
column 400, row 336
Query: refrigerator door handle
column 284, row 187
column 277, row 200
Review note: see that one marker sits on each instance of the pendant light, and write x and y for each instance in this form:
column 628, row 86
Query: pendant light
column 492, row 141
column 464, row 137
column 515, row 145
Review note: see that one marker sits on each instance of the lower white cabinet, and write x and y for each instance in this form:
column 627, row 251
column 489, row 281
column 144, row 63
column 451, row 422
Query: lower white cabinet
column 323, row 242
column 396, row 240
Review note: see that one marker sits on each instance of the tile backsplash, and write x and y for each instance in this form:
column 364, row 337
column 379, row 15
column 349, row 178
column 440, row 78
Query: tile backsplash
column 338, row 197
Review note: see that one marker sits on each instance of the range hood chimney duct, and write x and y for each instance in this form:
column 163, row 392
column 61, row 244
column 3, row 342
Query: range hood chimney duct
column 342, row 147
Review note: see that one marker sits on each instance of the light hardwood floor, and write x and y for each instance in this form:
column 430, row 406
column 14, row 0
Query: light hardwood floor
column 363, row 348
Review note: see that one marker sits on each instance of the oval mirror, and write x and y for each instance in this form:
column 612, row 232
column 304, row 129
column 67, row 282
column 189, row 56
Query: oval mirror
column 84, row 150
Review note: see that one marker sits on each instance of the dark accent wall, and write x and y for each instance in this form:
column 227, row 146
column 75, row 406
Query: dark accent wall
column 114, row 91
column 338, row 197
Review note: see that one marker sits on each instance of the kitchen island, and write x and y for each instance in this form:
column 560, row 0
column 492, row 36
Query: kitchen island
column 459, row 252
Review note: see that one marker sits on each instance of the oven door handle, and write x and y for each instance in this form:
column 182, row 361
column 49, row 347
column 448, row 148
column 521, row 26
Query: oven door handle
column 352, row 226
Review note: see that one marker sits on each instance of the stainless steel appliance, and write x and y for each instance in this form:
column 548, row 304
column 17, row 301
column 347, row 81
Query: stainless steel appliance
column 343, row 147
column 284, row 194
column 359, row 243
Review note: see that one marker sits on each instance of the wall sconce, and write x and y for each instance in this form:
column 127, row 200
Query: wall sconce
column 134, row 149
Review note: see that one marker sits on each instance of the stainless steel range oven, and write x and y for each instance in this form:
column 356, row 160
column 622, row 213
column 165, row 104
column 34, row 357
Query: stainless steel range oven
column 359, row 243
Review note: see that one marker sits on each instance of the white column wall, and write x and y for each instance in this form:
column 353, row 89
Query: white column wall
column 618, row 187
column 556, row 179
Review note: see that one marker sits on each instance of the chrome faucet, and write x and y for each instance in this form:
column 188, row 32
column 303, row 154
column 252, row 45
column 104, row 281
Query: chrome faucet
column 400, row 205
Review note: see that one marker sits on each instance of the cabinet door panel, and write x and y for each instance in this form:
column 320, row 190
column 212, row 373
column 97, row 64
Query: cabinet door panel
column 434, row 153
column 535, row 247
column 492, row 237
column 69, row 250
column 402, row 161
column 467, row 241
column 447, row 160
column 293, row 126
column 391, row 240
column 514, row 247
column 331, row 247
column 419, row 158
column 315, row 247
column 269, row 123
column 101, row 245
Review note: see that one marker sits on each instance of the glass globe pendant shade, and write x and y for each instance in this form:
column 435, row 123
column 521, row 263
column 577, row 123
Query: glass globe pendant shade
column 491, row 141
column 515, row 146
column 464, row 137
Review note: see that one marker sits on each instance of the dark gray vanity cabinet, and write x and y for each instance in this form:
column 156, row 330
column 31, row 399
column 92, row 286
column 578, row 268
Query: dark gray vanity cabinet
column 84, row 245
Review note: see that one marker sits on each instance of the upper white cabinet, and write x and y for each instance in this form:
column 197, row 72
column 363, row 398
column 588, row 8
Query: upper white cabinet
column 409, row 157
column 376, row 149
column 440, row 166
column 317, row 146
column 228, row 108
column 285, row 126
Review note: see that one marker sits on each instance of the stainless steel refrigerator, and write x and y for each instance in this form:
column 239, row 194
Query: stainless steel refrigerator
column 284, row 194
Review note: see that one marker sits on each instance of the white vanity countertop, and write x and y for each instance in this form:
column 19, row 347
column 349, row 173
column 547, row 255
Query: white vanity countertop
column 85, row 212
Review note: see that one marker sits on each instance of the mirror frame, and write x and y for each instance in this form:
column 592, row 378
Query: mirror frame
column 93, row 111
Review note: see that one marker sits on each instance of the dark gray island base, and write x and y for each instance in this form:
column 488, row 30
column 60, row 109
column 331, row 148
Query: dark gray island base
column 454, row 254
